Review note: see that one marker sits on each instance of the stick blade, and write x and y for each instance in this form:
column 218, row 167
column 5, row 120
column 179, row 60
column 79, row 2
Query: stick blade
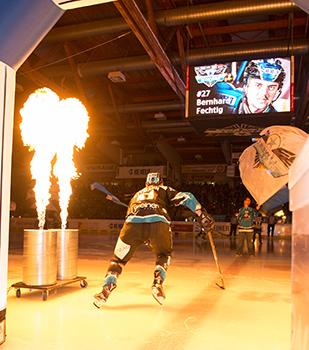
column 93, row 186
column 220, row 283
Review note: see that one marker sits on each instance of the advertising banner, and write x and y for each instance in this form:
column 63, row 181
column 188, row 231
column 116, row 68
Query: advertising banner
column 203, row 169
column 139, row 172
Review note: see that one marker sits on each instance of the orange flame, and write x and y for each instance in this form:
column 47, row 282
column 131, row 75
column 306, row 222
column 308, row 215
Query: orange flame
column 72, row 135
column 50, row 128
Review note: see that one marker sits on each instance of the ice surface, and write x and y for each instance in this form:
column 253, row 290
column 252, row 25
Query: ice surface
column 253, row 313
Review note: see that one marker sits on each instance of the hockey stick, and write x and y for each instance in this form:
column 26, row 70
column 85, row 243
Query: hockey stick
column 109, row 195
column 214, row 253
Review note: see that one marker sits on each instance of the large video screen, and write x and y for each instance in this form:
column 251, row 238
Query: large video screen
column 243, row 87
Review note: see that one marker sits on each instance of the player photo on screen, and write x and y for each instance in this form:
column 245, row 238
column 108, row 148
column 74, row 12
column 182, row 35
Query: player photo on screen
column 247, row 87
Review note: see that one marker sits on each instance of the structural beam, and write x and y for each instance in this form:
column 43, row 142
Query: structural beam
column 303, row 109
column 263, row 49
column 145, row 107
column 173, row 158
column 247, row 27
column 114, row 103
column 151, row 17
column 227, row 151
column 177, row 16
column 78, row 83
column 139, row 25
column 182, row 53
column 303, row 4
column 41, row 79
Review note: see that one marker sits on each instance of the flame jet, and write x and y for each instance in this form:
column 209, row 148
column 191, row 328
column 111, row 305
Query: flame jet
column 38, row 133
column 71, row 134
column 53, row 128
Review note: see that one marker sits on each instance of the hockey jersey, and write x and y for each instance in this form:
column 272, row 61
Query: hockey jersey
column 246, row 217
column 152, row 202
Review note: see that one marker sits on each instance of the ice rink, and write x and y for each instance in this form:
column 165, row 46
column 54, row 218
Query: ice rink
column 253, row 312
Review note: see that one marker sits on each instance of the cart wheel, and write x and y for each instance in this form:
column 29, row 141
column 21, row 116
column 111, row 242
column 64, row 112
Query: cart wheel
column 83, row 283
column 18, row 293
column 45, row 295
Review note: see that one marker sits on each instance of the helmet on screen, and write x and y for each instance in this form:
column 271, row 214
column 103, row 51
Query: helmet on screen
column 266, row 69
column 154, row 179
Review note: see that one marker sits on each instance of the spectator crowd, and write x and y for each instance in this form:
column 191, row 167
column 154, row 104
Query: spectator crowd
column 219, row 199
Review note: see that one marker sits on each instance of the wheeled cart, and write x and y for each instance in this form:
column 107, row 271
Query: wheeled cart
column 47, row 289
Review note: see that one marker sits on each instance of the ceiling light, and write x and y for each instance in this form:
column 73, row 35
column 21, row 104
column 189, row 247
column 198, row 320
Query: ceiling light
column 116, row 77
column 115, row 143
column 160, row 116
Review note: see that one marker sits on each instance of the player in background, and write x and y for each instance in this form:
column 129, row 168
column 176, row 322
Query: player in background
column 245, row 227
column 257, row 229
column 147, row 220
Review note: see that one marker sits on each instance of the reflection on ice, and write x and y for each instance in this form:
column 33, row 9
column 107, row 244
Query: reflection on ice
column 252, row 313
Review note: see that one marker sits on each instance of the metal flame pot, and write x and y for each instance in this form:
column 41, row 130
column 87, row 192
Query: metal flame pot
column 67, row 252
column 40, row 257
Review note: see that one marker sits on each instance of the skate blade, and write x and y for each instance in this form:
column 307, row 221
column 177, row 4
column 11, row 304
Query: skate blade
column 220, row 284
column 158, row 298
column 99, row 303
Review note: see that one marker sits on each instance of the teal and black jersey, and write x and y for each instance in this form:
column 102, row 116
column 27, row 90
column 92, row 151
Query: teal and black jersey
column 246, row 218
column 151, row 204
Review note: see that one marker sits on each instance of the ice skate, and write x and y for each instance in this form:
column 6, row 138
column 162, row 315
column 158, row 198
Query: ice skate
column 101, row 298
column 109, row 285
column 157, row 287
column 158, row 293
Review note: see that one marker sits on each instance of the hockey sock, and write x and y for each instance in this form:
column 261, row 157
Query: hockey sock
column 110, row 278
column 160, row 273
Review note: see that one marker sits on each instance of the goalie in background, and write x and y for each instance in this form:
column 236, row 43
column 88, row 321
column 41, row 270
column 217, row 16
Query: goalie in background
column 147, row 221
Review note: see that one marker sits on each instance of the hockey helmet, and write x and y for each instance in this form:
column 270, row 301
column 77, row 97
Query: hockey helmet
column 154, row 179
column 266, row 69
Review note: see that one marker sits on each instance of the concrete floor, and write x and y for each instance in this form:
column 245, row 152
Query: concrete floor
column 253, row 312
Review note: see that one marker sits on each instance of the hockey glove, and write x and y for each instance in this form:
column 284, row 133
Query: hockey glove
column 206, row 221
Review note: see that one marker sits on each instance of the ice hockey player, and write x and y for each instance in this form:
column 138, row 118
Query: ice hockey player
column 147, row 220
column 245, row 227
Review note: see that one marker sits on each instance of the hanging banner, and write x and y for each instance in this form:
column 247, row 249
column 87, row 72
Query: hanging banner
column 139, row 172
column 265, row 164
column 100, row 168
column 203, row 169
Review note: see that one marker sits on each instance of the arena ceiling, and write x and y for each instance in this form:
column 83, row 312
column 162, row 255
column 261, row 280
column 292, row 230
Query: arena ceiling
column 141, row 121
